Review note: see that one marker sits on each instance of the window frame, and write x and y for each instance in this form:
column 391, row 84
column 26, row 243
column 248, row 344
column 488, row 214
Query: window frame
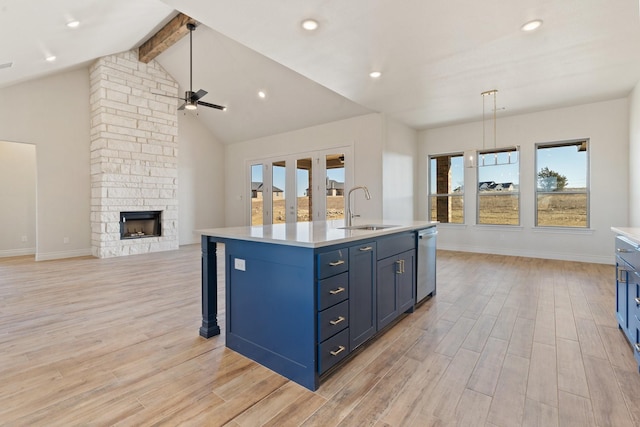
column 460, row 194
column 587, row 192
column 479, row 193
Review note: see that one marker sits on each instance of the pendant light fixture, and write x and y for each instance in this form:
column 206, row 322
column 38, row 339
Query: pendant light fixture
column 507, row 155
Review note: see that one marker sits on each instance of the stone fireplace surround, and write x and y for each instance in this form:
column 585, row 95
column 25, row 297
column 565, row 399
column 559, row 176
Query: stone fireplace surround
column 134, row 152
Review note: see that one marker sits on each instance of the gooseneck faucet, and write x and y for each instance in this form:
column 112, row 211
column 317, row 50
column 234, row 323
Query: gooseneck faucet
column 351, row 215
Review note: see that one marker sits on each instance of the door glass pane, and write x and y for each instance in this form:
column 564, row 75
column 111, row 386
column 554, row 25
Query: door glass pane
column 257, row 211
column 335, row 186
column 278, row 183
column 304, row 187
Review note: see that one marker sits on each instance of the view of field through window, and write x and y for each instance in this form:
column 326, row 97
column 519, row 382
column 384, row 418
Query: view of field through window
column 561, row 191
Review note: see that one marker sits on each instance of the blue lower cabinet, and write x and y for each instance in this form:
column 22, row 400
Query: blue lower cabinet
column 628, row 291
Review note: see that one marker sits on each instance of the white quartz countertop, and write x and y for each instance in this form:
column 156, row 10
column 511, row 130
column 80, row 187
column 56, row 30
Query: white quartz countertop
column 313, row 234
column 632, row 233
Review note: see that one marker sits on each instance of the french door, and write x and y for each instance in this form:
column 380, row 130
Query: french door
column 299, row 188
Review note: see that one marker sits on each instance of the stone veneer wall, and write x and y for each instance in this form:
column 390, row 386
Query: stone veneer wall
column 134, row 152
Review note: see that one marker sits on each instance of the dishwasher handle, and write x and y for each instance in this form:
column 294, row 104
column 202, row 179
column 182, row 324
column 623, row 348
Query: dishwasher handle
column 427, row 233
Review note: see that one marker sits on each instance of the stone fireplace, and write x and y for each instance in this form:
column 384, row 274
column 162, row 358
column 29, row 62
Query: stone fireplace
column 134, row 155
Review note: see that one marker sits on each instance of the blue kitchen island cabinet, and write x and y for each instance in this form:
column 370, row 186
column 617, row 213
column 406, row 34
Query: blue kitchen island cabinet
column 300, row 297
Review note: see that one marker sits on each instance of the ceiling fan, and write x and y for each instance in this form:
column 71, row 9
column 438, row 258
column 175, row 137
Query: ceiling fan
column 192, row 99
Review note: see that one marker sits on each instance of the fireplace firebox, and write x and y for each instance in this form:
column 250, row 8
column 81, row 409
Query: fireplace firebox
column 137, row 225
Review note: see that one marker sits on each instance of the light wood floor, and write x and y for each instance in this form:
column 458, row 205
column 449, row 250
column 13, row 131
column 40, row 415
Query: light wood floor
column 506, row 342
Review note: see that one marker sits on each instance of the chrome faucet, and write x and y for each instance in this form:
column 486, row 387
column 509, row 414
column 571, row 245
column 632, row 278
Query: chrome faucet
column 351, row 215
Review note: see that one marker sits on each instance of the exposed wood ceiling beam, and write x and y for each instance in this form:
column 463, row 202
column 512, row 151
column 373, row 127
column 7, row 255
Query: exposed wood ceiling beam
column 165, row 37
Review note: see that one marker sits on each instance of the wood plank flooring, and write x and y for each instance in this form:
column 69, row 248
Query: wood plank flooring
column 507, row 341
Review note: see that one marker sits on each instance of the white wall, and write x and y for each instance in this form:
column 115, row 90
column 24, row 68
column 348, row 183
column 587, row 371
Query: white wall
column 201, row 170
column 53, row 114
column 634, row 157
column 399, row 166
column 363, row 134
column 607, row 126
column 18, row 199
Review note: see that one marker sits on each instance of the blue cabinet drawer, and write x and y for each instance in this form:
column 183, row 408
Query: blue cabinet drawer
column 333, row 320
column 333, row 350
column 332, row 263
column 629, row 251
column 333, row 290
column 389, row 246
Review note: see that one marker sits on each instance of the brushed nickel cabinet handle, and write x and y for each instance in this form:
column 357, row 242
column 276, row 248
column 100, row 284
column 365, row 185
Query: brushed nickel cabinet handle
column 340, row 349
column 338, row 320
column 337, row 291
column 399, row 270
column 336, row 263
column 402, row 264
column 637, row 346
column 623, row 251
column 621, row 276
column 366, row 248
column 637, row 301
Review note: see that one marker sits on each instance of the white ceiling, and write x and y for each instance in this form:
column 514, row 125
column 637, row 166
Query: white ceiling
column 436, row 57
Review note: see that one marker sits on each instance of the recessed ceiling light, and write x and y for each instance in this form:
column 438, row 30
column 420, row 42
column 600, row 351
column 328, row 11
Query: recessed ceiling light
column 262, row 94
column 50, row 58
column 73, row 24
column 310, row 24
column 375, row 74
column 532, row 25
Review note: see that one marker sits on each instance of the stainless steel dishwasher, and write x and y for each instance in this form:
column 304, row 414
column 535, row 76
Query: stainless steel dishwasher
column 426, row 276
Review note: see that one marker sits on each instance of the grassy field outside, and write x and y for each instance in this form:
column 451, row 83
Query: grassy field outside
column 335, row 209
column 553, row 210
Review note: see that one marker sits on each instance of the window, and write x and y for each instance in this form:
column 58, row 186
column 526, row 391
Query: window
column 562, row 190
column 499, row 186
column 446, row 188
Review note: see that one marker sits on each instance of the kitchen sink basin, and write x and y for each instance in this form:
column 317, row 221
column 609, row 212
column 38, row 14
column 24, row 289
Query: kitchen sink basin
column 368, row 227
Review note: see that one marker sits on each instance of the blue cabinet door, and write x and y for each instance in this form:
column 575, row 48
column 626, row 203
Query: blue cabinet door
column 622, row 307
column 362, row 293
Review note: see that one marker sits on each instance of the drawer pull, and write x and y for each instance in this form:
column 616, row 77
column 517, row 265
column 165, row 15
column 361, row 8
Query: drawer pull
column 338, row 320
column 637, row 346
column 400, row 269
column 623, row 251
column 336, row 263
column 341, row 289
column 366, row 248
column 637, row 301
column 340, row 349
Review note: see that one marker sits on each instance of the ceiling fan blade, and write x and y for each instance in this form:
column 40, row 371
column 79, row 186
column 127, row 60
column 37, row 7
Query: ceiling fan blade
column 168, row 96
column 206, row 104
column 182, row 106
column 199, row 94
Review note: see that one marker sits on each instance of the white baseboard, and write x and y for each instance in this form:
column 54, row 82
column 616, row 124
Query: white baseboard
column 17, row 252
column 63, row 254
column 561, row 256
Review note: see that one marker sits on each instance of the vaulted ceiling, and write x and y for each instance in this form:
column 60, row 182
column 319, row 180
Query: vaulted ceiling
column 435, row 57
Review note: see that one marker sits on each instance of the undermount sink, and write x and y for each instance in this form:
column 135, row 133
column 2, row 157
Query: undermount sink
column 368, row 227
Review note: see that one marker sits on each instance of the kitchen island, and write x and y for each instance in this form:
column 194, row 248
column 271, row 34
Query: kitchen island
column 301, row 297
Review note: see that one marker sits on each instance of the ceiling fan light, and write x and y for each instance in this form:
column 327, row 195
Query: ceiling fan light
column 73, row 24
column 190, row 106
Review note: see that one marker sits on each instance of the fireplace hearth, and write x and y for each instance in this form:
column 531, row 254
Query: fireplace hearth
column 141, row 224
